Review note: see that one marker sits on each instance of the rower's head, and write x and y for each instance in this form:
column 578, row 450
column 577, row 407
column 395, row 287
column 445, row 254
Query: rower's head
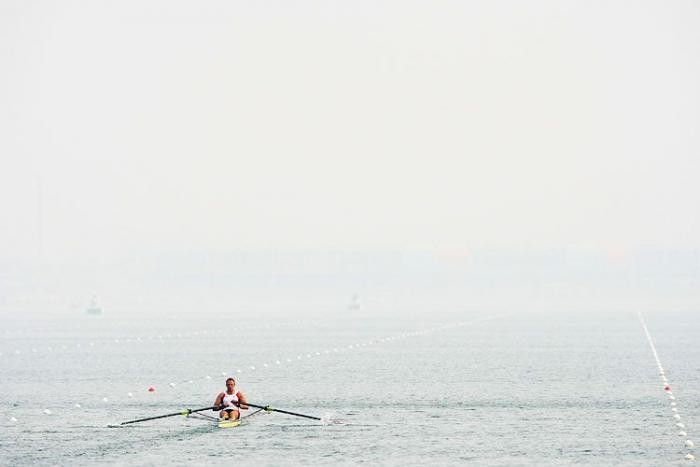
column 230, row 383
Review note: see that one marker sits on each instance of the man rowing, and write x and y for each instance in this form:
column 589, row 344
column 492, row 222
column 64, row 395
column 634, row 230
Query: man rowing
column 230, row 400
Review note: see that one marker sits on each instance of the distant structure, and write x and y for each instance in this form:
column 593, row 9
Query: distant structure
column 93, row 309
column 354, row 304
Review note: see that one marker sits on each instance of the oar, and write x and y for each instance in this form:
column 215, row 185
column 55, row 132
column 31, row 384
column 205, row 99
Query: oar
column 184, row 412
column 271, row 409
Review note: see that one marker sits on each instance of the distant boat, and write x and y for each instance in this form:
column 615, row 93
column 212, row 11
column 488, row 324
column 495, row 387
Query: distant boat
column 354, row 302
column 93, row 309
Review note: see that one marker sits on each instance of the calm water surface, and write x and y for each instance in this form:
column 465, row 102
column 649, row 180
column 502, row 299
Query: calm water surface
column 508, row 389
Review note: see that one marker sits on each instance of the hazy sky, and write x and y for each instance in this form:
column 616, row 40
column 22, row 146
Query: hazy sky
column 129, row 126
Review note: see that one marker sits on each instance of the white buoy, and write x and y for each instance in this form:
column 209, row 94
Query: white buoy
column 674, row 409
column 172, row 385
column 239, row 371
column 277, row 362
column 223, row 373
column 672, row 397
column 208, row 377
column 676, row 416
column 17, row 352
column 77, row 406
column 690, row 457
column 680, row 425
column 682, row 433
column 689, row 443
column 191, row 381
column 104, row 399
column 128, row 394
column 47, row 412
column 252, row 368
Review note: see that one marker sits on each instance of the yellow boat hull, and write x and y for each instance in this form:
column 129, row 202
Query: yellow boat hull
column 229, row 423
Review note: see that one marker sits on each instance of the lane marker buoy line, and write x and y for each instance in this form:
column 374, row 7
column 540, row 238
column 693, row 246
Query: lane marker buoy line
column 149, row 391
column 677, row 419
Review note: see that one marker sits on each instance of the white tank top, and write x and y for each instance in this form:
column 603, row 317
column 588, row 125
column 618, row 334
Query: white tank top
column 229, row 399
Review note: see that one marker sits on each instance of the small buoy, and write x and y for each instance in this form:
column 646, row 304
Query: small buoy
column 682, row 433
column 151, row 389
column 676, row 416
column 690, row 457
column 277, row 362
column 674, row 409
column 77, row 406
column 191, row 381
column 13, row 419
column 104, row 399
column 47, row 412
column 223, row 373
column 689, row 443
column 680, row 425
column 172, row 385
column 672, row 397
column 667, row 388
column 239, row 370
column 252, row 368
column 208, row 377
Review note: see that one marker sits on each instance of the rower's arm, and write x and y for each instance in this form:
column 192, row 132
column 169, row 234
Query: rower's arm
column 242, row 400
column 219, row 399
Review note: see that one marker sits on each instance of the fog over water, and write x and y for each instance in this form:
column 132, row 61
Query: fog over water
column 353, row 171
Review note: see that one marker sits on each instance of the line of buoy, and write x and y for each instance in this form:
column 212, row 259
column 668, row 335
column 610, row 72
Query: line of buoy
column 131, row 339
column 152, row 389
column 669, row 393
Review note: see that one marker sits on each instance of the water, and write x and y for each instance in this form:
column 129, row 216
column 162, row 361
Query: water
column 512, row 389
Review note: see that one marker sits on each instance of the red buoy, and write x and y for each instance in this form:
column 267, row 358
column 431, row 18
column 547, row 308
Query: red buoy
column 151, row 389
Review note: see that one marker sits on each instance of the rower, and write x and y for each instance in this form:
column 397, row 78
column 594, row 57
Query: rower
column 230, row 400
